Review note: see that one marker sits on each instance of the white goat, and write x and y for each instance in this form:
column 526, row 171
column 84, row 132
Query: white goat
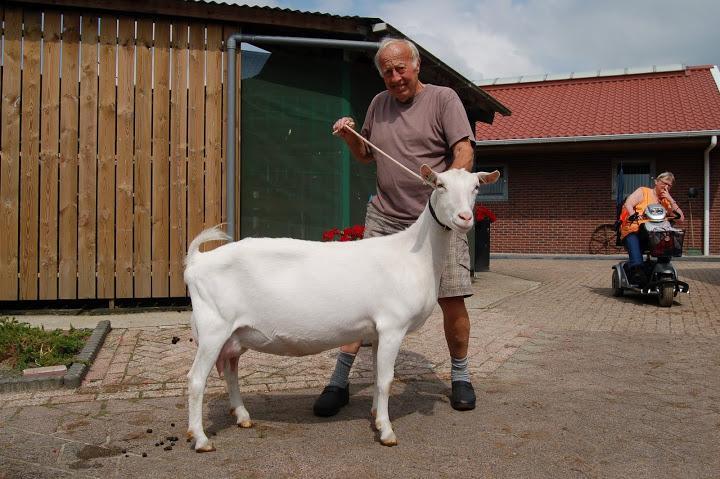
column 294, row 298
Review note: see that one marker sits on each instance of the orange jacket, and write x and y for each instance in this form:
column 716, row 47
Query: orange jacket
column 627, row 227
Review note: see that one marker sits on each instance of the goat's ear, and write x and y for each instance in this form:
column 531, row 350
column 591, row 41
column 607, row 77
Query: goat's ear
column 428, row 174
column 488, row 178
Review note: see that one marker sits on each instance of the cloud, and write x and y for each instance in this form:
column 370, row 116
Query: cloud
column 490, row 38
column 499, row 38
column 462, row 35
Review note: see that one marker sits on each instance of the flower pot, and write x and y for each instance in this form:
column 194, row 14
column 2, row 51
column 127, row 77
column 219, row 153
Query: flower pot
column 482, row 245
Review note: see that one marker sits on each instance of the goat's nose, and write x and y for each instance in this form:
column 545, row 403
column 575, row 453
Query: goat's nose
column 465, row 216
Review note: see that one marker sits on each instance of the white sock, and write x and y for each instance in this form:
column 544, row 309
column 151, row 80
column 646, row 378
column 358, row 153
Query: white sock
column 459, row 369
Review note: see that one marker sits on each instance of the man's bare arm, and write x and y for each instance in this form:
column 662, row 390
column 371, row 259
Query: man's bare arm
column 632, row 200
column 463, row 154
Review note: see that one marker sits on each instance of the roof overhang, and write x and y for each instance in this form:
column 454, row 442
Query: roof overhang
column 618, row 137
column 480, row 105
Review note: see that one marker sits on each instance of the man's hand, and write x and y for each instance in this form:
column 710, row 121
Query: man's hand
column 357, row 147
column 674, row 208
column 677, row 214
column 338, row 128
column 665, row 195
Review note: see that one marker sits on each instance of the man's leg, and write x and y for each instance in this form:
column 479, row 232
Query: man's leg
column 632, row 244
column 457, row 334
column 337, row 393
column 634, row 269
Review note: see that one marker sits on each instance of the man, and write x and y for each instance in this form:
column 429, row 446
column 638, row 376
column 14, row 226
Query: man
column 414, row 123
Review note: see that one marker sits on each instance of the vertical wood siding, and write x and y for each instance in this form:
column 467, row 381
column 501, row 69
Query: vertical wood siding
column 111, row 152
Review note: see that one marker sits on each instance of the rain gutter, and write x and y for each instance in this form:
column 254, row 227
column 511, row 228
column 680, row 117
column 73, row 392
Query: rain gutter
column 580, row 139
column 706, row 195
column 232, row 44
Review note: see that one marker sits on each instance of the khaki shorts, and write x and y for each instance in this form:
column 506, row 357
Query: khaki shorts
column 455, row 279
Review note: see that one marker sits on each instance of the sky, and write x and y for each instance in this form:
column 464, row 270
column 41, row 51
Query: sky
column 486, row 39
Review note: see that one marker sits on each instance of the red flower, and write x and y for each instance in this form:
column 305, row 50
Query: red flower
column 351, row 233
column 329, row 235
column 354, row 232
column 482, row 212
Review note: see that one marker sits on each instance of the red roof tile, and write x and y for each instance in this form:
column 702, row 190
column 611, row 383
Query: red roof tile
column 678, row 101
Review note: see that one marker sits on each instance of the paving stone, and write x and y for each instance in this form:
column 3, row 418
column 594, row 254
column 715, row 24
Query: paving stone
column 666, row 395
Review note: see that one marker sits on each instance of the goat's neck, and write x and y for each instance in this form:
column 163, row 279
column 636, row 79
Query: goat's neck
column 430, row 239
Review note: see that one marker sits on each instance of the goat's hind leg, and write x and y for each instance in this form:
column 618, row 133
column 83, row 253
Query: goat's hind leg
column 237, row 408
column 208, row 351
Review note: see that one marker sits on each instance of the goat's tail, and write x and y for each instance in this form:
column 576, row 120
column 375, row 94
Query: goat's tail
column 210, row 234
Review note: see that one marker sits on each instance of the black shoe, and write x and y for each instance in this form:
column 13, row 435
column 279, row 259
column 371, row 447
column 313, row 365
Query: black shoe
column 463, row 396
column 332, row 399
column 637, row 275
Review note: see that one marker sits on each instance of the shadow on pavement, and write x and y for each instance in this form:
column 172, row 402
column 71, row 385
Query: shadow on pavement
column 408, row 397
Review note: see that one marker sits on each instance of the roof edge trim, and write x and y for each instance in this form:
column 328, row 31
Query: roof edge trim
column 583, row 75
column 716, row 76
column 578, row 139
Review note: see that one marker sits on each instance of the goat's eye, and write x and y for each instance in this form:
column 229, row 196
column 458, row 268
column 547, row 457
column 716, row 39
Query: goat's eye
column 440, row 186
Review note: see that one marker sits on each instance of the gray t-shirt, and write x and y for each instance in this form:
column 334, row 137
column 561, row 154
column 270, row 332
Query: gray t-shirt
column 420, row 131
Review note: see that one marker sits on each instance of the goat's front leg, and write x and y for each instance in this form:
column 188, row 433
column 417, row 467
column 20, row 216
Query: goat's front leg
column 373, row 411
column 237, row 408
column 207, row 353
column 387, row 351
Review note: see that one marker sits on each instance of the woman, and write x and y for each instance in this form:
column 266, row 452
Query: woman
column 636, row 203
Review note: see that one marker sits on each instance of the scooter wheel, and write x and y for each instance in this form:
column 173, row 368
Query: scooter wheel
column 617, row 291
column 667, row 293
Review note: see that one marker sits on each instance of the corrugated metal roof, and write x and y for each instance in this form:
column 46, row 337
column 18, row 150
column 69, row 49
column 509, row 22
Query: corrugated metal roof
column 665, row 101
column 285, row 10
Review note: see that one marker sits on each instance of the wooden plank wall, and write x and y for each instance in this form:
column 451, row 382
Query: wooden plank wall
column 111, row 152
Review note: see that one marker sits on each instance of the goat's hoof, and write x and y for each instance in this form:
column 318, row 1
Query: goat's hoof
column 389, row 442
column 206, row 448
column 189, row 435
column 373, row 412
column 245, row 424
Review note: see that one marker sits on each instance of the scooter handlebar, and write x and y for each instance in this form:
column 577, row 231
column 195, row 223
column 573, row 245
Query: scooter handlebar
column 639, row 216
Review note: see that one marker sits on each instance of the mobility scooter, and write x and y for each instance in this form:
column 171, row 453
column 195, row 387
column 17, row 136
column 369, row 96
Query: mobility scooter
column 661, row 242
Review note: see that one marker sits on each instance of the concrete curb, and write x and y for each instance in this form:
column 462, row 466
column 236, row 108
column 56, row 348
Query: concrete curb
column 76, row 372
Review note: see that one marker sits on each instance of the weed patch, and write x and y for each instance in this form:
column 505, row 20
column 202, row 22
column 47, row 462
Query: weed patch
column 23, row 346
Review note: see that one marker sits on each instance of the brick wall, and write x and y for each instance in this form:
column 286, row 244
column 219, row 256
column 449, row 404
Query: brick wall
column 557, row 201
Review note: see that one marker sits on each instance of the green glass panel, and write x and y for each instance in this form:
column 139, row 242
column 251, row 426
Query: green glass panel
column 295, row 179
